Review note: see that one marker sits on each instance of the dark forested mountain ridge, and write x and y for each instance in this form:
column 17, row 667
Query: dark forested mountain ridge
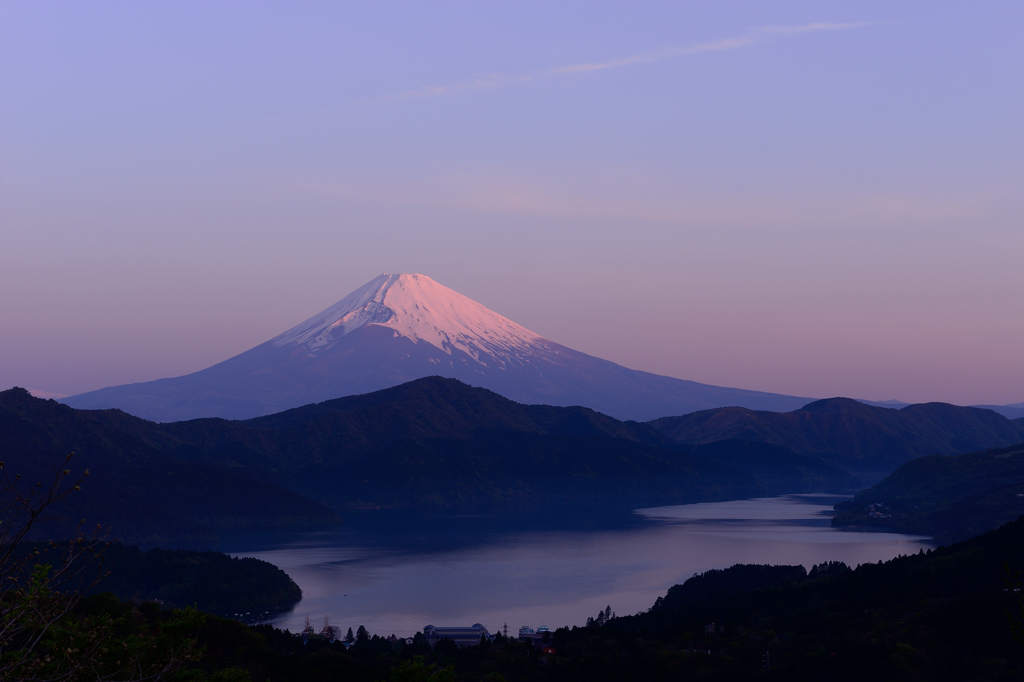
column 860, row 437
column 779, row 469
column 433, row 442
column 440, row 441
column 524, row 468
column 905, row 619
column 142, row 492
column 951, row 497
column 211, row 581
column 339, row 431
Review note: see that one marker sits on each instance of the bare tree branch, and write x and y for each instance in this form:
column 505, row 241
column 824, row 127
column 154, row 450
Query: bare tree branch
column 40, row 636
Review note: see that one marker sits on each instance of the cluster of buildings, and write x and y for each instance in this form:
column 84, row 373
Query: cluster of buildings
column 877, row 510
column 470, row 635
column 462, row 636
column 526, row 633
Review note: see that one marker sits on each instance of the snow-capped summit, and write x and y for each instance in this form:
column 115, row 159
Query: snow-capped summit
column 397, row 328
column 418, row 308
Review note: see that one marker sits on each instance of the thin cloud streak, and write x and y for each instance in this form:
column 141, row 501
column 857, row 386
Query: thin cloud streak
column 486, row 192
column 660, row 55
column 809, row 28
column 483, row 83
column 498, row 80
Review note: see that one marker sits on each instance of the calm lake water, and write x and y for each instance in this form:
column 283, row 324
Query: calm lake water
column 395, row 581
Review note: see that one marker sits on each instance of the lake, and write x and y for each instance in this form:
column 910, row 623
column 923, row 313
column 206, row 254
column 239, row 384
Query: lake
column 396, row 576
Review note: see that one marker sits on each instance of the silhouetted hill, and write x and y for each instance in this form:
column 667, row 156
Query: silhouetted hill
column 950, row 497
column 945, row 615
column 211, row 581
column 432, row 442
column 725, row 583
column 344, row 429
column 860, row 437
column 1008, row 411
column 517, row 467
column 779, row 469
column 336, row 432
column 435, row 407
column 146, row 495
column 439, row 441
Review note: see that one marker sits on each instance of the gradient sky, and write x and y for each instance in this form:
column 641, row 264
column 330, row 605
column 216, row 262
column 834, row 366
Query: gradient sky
column 812, row 198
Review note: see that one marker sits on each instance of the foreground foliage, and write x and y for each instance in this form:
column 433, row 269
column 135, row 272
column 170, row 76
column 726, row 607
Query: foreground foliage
column 47, row 630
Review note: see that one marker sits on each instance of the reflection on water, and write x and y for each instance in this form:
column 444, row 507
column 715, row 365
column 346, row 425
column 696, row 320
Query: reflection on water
column 395, row 581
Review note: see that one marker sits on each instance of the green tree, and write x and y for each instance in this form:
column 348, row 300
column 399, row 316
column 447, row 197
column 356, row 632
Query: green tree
column 44, row 635
column 419, row 644
column 416, row 670
column 446, row 647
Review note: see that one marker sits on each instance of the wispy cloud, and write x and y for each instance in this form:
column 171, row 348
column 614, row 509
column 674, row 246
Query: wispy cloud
column 811, row 28
column 656, row 56
column 490, row 82
column 648, row 197
column 754, row 36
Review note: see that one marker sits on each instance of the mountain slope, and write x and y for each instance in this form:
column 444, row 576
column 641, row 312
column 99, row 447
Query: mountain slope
column 860, row 437
column 432, row 442
column 437, row 441
column 905, row 619
column 337, row 433
column 949, row 497
column 144, row 494
column 397, row 328
column 1008, row 411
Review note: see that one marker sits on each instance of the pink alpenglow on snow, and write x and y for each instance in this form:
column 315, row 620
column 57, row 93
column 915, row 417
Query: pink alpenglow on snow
column 420, row 309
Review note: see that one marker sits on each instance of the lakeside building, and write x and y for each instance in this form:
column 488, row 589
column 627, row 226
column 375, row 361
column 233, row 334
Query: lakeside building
column 462, row 636
column 528, row 633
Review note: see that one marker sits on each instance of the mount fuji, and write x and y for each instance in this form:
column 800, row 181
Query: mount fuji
column 397, row 328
